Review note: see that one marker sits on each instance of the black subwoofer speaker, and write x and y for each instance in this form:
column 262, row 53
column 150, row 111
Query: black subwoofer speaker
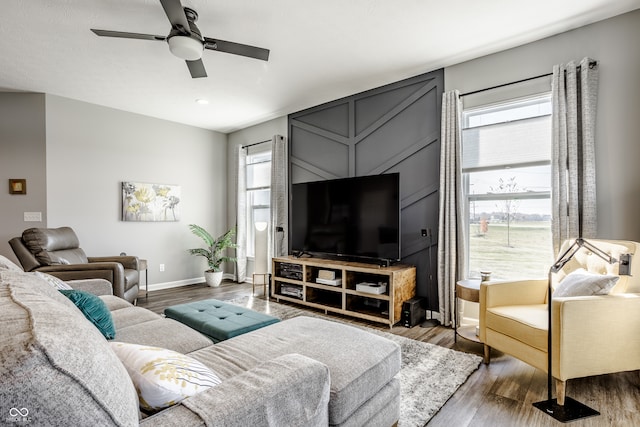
column 413, row 312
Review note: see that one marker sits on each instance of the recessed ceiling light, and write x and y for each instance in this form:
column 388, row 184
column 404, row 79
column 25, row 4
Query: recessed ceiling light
column 202, row 101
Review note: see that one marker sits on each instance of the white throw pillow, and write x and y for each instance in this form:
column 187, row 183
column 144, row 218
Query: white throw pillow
column 583, row 283
column 163, row 377
column 54, row 281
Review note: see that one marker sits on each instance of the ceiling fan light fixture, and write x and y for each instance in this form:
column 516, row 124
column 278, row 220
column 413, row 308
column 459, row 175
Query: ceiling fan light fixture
column 186, row 47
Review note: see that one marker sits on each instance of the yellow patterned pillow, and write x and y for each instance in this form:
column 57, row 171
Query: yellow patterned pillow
column 163, row 377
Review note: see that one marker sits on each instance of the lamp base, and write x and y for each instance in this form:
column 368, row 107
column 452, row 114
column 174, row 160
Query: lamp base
column 571, row 410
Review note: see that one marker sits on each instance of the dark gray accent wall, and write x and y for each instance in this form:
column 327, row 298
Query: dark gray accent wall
column 393, row 128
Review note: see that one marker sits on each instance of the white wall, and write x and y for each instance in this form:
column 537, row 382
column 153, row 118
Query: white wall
column 613, row 43
column 92, row 149
column 22, row 156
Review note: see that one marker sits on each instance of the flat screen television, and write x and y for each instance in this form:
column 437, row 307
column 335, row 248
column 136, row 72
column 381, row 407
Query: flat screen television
column 354, row 218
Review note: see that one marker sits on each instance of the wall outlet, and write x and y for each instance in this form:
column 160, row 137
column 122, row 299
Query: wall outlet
column 161, row 267
column 33, row 216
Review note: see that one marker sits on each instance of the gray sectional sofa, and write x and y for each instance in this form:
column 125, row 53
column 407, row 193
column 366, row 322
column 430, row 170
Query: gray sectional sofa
column 56, row 368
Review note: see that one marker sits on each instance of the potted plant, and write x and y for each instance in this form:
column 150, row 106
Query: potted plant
column 214, row 252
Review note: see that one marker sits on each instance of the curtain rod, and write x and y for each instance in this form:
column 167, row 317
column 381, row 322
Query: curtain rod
column 506, row 84
column 256, row 143
column 591, row 65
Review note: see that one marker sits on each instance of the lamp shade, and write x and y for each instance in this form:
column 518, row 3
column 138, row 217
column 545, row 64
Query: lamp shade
column 260, row 263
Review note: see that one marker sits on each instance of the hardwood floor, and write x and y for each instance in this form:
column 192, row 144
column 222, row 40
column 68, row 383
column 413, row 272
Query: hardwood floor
column 500, row 394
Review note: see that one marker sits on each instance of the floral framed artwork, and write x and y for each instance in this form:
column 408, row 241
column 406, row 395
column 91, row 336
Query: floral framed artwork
column 150, row 202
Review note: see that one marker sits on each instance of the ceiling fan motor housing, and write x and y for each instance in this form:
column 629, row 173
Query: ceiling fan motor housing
column 187, row 46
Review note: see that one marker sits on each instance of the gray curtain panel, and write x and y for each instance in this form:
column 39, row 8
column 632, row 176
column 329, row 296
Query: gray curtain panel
column 451, row 235
column 573, row 172
column 241, row 215
column 279, row 197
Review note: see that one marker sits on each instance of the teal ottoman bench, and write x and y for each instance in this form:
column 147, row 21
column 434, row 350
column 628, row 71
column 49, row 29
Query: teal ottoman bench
column 218, row 320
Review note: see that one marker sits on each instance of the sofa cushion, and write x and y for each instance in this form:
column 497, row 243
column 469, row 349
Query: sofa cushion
column 163, row 377
column 53, row 281
column 360, row 363
column 165, row 333
column 95, row 286
column 7, row 264
column 140, row 326
column 290, row 390
column 55, row 363
column 580, row 282
column 94, row 309
column 115, row 303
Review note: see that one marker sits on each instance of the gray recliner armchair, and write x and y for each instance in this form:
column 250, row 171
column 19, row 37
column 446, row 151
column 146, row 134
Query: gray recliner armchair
column 57, row 251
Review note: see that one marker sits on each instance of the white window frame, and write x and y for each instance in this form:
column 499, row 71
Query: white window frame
column 470, row 197
column 255, row 156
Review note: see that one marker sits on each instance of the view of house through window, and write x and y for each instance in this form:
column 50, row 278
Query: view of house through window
column 258, row 193
column 506, row 156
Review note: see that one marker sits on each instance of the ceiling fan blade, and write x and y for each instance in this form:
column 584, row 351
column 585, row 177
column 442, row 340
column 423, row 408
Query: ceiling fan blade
column 236, row 48
column 196, row 68
column 124, row 35
column 175, row 13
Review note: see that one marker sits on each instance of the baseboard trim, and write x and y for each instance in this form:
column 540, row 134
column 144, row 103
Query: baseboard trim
column 184, row 282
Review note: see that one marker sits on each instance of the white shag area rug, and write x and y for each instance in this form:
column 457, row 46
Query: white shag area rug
column 429, row 375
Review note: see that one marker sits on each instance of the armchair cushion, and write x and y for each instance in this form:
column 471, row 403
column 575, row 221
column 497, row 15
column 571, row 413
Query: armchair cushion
column 518, row 321
column 583, row 283
column 52, row 246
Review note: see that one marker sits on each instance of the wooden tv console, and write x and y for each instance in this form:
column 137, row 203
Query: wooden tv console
column 296, row 280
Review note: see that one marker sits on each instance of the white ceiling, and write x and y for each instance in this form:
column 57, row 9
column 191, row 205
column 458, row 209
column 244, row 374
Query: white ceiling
column 320, row 50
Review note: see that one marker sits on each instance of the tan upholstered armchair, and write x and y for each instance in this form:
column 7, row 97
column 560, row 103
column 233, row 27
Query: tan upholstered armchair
column 592, row 335
column 56, row 251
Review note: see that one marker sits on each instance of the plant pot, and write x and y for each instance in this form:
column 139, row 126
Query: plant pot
column 213, row 278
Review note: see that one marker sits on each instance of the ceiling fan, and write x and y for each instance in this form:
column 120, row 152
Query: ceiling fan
column 185, row 40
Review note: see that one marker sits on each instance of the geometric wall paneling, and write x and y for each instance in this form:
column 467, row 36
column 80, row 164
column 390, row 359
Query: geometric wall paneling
column 332, row 119
column 305, row 173
column 320, row 154
column 393, row 128
column 412, row 240
column 409, row 110
column 425, row 167
column 374, row 106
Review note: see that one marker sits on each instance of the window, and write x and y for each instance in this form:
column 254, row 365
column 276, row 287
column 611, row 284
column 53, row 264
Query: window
column 258, row 192
column 506, row 172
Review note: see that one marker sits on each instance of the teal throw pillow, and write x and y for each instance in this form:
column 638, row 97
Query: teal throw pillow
column 95, row 310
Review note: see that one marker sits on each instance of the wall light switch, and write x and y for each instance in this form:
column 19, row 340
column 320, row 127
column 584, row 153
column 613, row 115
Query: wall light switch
column 33, row 216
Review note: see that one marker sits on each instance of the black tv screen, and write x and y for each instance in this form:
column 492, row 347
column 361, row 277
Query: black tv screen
column 350, row 217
